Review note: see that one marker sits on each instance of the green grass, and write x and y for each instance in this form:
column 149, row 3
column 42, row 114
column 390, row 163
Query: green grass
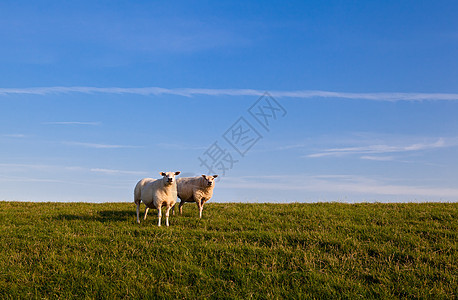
column 324, row 250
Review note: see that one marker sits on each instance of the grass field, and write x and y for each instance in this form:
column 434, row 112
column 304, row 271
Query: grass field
column 324, row 250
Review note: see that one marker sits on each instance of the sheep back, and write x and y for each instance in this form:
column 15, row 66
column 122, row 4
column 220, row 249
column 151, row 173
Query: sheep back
column 139, row 187
column 192, row 188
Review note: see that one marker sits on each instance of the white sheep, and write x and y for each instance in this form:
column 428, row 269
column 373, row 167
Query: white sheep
column 155, row 193
column 195, row 189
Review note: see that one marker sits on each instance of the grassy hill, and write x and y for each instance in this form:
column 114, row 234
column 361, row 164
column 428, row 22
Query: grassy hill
column 324, row 250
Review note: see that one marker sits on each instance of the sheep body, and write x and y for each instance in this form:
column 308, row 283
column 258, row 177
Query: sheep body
column 139, row 187
column 195, row 189
column 156, row 193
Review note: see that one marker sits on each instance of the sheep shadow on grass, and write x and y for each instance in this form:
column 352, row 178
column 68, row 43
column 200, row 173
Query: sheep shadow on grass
column 103, row 216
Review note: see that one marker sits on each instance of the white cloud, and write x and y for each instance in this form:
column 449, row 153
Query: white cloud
column 377, row 158
column 15, row 135
column 117, row 172
column 289, row 147
column 72, row 123
column 98, row 146
column 189, row 92
column 177, row 146
column 367, row 96
column 349, row 185
column 15, row 167
column 7, row 168
column 9, row 178
column 380, row 149
column 365, row 185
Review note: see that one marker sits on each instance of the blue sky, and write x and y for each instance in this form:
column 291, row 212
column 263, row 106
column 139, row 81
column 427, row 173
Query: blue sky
column 362, row 103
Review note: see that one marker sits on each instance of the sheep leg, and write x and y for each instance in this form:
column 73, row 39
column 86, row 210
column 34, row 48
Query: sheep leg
column 138, row 212
column 200, row 210
column 181, row 207
column 167, row 216
column 200, row 206
column 146, row 212
column 173, row 209
column 159, row 215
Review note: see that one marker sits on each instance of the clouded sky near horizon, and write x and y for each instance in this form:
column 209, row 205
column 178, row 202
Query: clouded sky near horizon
column 362, row 99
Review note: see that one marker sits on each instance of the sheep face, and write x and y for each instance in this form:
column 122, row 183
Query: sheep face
column 169, row 177
column 209, row 180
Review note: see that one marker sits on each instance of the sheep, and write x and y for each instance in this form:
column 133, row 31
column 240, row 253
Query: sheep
column 195, row 189
column 155, row 193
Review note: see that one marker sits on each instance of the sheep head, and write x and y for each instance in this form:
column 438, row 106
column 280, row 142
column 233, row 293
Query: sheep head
column 209, row 180
column 169, row 177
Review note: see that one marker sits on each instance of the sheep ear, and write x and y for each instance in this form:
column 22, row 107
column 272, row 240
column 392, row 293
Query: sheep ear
column 214, row 176
column 162, row 173
column 204, row 176
column 177, row 173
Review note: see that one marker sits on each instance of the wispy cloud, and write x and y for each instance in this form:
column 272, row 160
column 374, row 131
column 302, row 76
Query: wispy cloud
column 18, row 167
column 15, row 135
column 367, row 96
column 177, row 146
column 378, row 149
column 23, row 179
column 189, row 92
column 377, row 158
column 371, row 186
column 289, row 147
column 72, row 123
column 117, row 172
column 98, row 146
column 10, row 178
column 25, row 167
column 8, row 167
column 343, row 184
